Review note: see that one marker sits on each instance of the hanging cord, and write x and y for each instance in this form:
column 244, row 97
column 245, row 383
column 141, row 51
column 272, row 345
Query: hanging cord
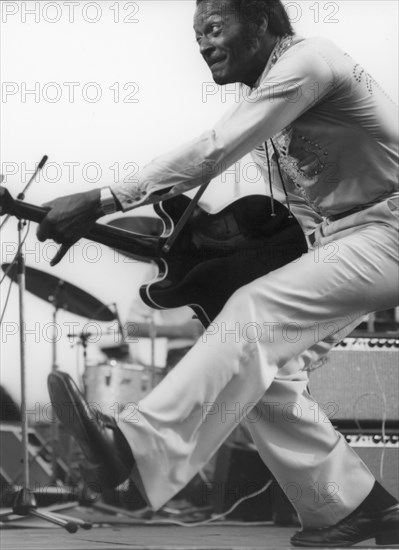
column 12, row 263
column 14, row 260
column 384, row 420
column 270, row 176
column 276, row 153
column 6, row 301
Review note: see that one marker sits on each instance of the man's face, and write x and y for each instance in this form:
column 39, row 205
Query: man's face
column 225, row 42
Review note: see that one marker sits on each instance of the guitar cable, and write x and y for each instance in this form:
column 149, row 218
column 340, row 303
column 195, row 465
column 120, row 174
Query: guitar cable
column 383, row 396
column 214, row 517
column 224, row 514
column 384, row 420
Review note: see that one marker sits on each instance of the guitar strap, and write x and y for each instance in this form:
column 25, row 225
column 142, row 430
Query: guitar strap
column 194, row 201
column 185, row 217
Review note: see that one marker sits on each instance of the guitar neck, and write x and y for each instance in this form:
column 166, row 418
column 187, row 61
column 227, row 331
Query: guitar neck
column 140, row 247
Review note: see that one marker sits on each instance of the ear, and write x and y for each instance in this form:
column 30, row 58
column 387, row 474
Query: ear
column 259, row 28
column 263, row 25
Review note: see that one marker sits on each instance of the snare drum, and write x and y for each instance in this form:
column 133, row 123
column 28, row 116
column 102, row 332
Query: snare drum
column 110, row 386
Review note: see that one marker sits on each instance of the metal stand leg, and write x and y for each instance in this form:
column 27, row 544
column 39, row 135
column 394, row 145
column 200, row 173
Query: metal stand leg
column 25, row 501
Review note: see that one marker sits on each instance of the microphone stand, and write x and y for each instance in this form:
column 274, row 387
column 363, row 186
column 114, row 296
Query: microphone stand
column 25, row 500
column 21, row 195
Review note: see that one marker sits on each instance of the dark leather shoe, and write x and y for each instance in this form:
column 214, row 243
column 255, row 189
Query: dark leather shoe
column 383, row 526
column 110, row 459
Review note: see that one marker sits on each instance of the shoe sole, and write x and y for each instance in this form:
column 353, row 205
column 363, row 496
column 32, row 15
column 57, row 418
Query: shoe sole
column 74, row 415
column 388, row 538
column 69, row 412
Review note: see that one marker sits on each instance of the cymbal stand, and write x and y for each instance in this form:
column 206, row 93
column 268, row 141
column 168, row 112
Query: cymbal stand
column 82, row 341
column 25, row 500
column 152, row 335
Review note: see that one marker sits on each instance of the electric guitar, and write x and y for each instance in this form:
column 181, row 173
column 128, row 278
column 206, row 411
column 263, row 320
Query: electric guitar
column 213, row 256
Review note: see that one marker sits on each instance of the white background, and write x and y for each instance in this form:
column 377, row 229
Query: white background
column 148, row 47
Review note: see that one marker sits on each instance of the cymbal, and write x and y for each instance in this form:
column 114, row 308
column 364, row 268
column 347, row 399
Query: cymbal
column 143, row 225
column 62, row 294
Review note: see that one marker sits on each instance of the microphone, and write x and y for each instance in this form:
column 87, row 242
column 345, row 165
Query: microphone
column 21, row 195
column 42, row 162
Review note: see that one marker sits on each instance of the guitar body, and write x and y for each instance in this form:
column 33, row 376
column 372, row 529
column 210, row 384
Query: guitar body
column 215, row 254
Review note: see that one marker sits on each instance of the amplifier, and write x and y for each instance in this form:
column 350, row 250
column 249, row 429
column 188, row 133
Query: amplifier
column 359, row 380
column 381, row 455
column 11, row 453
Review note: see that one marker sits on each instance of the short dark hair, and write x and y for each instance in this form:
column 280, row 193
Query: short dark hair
column 253, row 11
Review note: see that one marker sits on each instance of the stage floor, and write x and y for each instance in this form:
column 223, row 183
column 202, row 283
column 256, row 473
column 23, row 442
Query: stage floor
column 117, row 533
column 213, row 537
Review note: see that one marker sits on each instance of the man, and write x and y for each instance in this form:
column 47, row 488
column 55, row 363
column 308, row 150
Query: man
column 328, row 134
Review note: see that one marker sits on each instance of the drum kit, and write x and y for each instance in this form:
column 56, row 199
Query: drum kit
column 110, row 385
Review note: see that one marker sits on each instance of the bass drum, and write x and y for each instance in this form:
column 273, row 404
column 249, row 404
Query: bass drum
column 113, row 385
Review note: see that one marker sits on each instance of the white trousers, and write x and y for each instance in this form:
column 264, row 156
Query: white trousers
column 247, row 367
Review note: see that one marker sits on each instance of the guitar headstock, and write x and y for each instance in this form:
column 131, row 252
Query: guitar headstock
column 6, row 202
